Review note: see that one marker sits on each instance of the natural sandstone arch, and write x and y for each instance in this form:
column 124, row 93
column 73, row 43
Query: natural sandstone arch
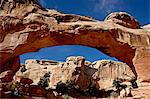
column 27, row 27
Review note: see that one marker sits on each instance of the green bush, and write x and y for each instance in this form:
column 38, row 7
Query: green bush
column 44, row 80
column 65, row 88
column 133, row 82
column 14, row 88
column 92, row 90
column 61, row 88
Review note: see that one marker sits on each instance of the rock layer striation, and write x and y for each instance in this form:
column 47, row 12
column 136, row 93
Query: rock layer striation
column 26, row 27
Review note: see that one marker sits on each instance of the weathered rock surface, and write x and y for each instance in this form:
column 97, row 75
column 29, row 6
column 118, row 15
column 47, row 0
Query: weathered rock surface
column 26, row 27
column 108, row 71
column 76, row 69
column 142, row 63
column 10, row 68
column 123, row 19
column 71, row 70
column 146, row 27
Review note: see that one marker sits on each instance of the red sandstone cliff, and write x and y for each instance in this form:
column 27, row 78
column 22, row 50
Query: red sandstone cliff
column 26, row 27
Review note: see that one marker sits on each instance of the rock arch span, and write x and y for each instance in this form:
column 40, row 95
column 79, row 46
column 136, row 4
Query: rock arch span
column 27, row 27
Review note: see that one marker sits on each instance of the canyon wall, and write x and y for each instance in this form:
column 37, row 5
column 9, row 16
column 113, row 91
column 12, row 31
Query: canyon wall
column 26, row 27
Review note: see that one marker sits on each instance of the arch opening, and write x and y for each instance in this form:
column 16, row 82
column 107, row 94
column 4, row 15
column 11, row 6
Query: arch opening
column 60, row 53
column 94, row 67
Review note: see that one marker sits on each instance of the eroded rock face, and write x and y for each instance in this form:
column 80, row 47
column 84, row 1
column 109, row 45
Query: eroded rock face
column 142, row 63
column 124, row 19
column 9, row 70
column 108, row 71
column 71, row 70
column 76, row 69
column 118, row 36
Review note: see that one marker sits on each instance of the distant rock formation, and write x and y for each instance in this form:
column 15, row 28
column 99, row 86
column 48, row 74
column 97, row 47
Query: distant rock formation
column 108, row 71
column 76, row 69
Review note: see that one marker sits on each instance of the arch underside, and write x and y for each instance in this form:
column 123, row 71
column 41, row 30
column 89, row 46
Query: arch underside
column 92, row 34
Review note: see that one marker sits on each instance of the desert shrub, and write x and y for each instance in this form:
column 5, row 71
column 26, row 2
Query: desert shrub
column 23, row 68
column 14, row 89
column 61, row 88
column 92, row 90
column 44, row 80
column 65, row 88
column 133, row 82
column 71, row 85
column 117, row 83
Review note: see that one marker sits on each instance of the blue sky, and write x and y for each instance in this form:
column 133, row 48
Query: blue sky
column 97, row 9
